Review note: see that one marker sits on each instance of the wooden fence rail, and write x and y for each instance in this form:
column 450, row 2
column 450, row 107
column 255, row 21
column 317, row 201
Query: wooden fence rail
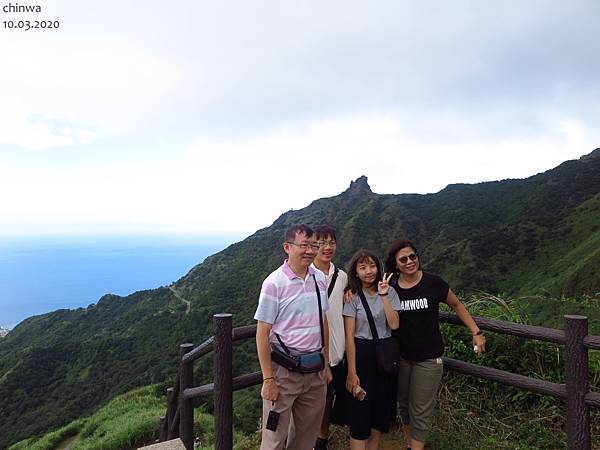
column 179, row 418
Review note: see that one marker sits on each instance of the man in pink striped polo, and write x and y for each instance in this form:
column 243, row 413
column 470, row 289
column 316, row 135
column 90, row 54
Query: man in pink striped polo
column 289, row 320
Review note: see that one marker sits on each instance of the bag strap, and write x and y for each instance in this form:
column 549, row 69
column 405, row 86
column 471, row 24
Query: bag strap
column 320, row 319
column 282, row 344
column 369, row 315
column 332, row 284
column 320, row 311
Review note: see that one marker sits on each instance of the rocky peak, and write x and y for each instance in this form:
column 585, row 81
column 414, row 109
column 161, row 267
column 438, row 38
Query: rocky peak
column 358, row 187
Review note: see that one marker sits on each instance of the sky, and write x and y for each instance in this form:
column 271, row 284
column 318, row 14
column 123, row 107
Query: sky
column 217, row 117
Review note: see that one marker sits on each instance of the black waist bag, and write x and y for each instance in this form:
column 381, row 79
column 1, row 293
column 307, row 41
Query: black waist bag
column 283, row 359
column 311, row 362
column 308, row 363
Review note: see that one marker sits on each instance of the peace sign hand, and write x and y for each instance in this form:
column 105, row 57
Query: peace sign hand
column 383, row 286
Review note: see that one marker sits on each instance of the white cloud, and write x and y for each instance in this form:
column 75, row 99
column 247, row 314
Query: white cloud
column 220, row 116
column 236, row 185
column 88, row 87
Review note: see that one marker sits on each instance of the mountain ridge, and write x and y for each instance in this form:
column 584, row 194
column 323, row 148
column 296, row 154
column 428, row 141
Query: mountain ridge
column 533, row 235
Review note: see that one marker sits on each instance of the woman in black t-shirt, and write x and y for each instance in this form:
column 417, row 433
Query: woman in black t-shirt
column 421, row 343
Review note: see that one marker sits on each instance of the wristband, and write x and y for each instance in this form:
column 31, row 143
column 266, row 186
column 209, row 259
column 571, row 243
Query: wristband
column 383, row 294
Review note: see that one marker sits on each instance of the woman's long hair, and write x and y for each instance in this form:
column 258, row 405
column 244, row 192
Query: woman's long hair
column 361, row 256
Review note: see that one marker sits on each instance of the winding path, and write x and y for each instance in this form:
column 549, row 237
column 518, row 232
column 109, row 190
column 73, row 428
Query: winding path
column 179, row 297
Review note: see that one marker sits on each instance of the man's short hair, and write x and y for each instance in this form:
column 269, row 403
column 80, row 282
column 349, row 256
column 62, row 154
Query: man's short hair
column 291, row 232
column 325, row 231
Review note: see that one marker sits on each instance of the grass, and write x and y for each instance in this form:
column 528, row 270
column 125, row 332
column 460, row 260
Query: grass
column 127, row 422
column 51, row 440
column 471, row 415
column 476, row 414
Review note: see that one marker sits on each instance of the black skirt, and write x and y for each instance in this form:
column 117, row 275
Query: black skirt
column 376, row 410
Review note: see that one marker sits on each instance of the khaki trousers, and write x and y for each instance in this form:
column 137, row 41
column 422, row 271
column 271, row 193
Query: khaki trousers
column 300, row 404
column 418, row 383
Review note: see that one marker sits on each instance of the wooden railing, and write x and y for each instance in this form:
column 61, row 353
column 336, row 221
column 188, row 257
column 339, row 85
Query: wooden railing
column 178, row 421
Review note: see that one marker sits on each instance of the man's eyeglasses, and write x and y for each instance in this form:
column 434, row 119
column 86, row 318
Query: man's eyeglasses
column 305, row 246
column 327, row 243
column 404, row 259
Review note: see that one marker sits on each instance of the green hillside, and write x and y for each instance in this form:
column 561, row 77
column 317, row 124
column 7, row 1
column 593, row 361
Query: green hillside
column 128, row 421
column 125, row 422
column 470, row 413
column 538, row 235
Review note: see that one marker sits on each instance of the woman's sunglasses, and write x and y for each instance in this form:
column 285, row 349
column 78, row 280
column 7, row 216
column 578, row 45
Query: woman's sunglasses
column 404, row 259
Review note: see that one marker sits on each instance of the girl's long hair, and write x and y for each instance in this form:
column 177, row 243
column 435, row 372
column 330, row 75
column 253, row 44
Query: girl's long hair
column 361, row 256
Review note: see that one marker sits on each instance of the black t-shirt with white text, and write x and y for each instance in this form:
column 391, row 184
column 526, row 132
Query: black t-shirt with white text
column 419, row 331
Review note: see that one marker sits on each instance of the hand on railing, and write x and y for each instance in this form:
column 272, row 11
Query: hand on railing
column 479, row 343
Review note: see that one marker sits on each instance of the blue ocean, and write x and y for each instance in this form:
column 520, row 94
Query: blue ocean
column 39, row 275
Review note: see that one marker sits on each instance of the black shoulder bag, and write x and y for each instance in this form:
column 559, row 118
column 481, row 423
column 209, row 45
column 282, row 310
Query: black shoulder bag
column 303, row 363
column 387, row 350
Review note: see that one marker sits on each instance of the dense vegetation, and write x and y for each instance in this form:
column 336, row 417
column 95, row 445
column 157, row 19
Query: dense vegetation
column 474, row 413
column 538, row 236
column 471, row 413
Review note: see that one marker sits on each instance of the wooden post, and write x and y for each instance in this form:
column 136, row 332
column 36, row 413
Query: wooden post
column 223, row 398
column 163, row 429
column 171, row 410
column 186, row 407
column 577, row 383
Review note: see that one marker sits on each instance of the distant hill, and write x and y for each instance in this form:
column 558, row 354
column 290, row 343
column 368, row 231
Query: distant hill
column 535, row 235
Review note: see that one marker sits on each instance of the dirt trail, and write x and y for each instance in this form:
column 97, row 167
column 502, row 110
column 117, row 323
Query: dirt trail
column 179, row 297
column 68, row 443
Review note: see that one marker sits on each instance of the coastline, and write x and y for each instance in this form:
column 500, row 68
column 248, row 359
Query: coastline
column 39, row 275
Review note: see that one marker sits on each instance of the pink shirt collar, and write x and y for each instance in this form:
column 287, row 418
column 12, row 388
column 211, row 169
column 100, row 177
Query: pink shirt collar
column 287, row 270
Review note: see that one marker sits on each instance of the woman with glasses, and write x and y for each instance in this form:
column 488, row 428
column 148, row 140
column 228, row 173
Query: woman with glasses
column 421, row 343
